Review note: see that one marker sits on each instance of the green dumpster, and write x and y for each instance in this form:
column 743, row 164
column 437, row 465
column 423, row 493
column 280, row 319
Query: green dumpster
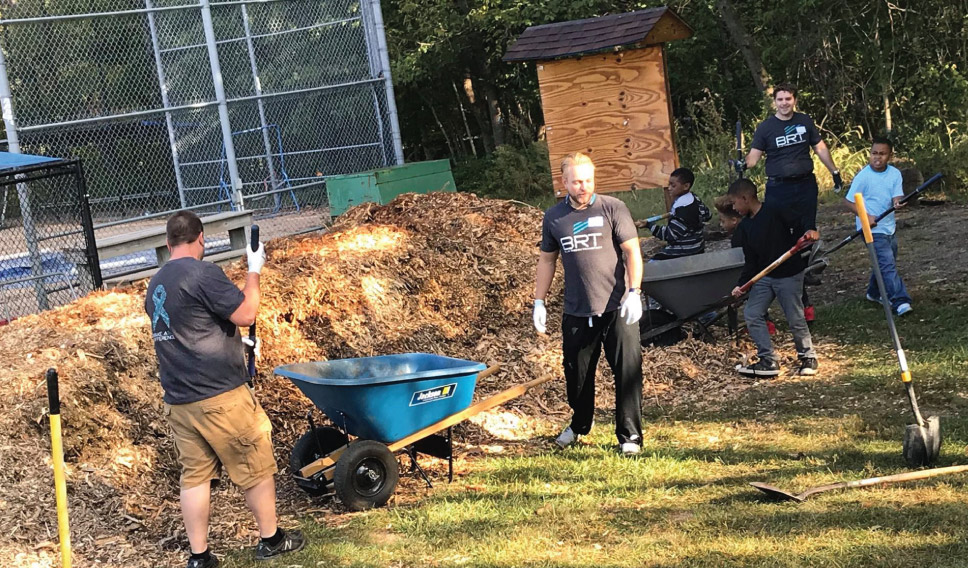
column 381, row 186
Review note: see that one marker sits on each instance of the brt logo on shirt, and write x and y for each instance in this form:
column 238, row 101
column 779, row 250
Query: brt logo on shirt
column 578, row 241
column 793, row 134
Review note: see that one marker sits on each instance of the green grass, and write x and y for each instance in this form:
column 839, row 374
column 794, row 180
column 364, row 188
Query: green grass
column 686, row 501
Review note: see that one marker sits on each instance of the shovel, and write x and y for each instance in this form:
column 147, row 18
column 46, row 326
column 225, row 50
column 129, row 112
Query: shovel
column 936, row 177
column 922, row 441
column 781, row 495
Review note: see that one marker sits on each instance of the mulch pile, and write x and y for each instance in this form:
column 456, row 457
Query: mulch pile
column 444, row 273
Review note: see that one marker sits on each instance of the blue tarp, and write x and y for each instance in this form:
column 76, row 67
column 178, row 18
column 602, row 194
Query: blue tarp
column 11, row 161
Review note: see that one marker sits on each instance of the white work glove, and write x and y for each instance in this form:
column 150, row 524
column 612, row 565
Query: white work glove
column 255, row 258
column 632, row 308
column 255, row 345
column 540, row 316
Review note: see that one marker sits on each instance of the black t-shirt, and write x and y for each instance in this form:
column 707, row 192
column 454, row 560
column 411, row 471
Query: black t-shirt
column 199, row 350
column 787, row 144
column 765, row 237
column 588, row 242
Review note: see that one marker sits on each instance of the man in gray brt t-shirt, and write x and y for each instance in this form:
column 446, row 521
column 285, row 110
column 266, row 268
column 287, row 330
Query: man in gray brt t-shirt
column 598, row 244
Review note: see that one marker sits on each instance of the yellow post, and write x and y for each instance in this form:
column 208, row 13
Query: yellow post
column 60, row 479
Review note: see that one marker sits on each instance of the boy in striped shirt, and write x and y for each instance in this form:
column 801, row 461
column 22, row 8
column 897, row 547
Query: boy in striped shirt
column 684, row 232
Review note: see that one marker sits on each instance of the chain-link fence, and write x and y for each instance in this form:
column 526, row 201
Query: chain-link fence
column 47, row 248
column 208, row 105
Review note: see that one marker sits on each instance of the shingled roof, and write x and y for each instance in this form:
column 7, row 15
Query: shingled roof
column 594, row 35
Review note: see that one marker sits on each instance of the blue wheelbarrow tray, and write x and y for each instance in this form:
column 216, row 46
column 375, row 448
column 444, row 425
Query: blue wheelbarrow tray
column 388, row 397
column 691, row 285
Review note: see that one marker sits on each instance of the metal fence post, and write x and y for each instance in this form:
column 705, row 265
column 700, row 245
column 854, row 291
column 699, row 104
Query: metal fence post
column 23, row 194
column 257, row 85
column 163, row 85
column 223, row 109
column 381, row 39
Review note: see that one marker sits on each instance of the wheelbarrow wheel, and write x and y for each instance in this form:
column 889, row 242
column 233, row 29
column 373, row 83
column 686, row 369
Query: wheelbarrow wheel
column 311, row 446
column 366, row 475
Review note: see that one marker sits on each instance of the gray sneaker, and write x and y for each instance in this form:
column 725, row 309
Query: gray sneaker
column 292, row 541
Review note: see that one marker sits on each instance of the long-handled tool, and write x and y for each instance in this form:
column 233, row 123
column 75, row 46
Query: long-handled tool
column 802, row 243
column 652, row 219
column 60, row 480
column 254, row 243
column 781, row 495
column 922, row 441
column 935, row 178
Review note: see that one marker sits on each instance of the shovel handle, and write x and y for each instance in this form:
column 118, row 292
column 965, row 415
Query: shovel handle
column 932, row 180
column 254, row 244
column 886, row 303
column 800, row 245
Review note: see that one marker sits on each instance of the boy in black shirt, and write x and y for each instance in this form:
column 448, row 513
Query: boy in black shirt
column 688, row 214
column 765, row 234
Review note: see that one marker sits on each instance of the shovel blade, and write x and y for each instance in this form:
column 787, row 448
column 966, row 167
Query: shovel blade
column 775, row 493
column 922, row 444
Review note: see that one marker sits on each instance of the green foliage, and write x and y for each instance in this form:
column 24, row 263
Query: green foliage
column 509, row 173
column 952, row 163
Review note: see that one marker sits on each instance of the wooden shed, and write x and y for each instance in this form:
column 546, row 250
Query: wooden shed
column 605, row 91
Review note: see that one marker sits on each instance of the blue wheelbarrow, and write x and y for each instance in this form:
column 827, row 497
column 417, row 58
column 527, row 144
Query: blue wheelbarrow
column 381, row 406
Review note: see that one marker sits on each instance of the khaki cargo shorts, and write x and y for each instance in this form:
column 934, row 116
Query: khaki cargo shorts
column 229, row 429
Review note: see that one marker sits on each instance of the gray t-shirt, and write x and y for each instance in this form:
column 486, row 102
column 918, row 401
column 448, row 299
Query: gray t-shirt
column 787, row 144
column 588, row 243
column 199, row 350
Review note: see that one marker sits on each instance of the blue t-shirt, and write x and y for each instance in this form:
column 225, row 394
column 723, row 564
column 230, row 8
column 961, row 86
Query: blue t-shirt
column 879, row 190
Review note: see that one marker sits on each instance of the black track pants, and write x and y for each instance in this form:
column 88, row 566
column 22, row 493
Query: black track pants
column 582, row 345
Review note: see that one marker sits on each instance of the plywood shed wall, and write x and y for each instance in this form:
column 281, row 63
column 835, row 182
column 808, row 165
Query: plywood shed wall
column 605, row 91
column 615, row 108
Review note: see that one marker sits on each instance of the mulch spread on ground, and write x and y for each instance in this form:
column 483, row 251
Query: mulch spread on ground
column 445, row 273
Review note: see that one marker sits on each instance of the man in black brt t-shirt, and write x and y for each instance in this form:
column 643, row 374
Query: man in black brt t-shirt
column 786, row 138
column 195, row 313
column 598, row 244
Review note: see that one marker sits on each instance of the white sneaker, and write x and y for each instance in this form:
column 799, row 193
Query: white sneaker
column 566, row 438
column 630, row 449
column 904, row 308
column 870, row 298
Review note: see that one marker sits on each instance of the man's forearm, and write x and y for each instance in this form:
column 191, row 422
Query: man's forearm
column 543, row 279
column 823, row 153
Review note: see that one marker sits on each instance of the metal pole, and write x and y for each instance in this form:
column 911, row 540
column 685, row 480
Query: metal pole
column 13, row 145
column 163, row 85
column 223, row 109
column 372, row 57
column 381, row 39
column 257, row 85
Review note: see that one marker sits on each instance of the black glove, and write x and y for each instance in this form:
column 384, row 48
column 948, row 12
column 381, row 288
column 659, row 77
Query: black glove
column 738, row 165
column 838, row 182
column 650, row 225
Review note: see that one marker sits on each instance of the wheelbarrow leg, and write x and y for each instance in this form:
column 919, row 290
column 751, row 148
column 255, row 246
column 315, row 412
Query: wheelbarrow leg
column 415, row 466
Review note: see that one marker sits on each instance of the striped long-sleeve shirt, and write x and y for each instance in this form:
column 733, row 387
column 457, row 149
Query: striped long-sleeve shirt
column 684, row 232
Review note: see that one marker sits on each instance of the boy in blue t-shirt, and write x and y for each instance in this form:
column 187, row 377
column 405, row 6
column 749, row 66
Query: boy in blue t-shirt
column 880, row 184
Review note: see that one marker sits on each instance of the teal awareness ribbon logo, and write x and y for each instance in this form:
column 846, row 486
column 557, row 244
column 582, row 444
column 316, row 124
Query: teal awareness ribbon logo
column 158, row 298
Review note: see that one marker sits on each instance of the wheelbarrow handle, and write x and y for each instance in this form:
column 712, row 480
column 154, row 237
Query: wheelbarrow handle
column 489, row 371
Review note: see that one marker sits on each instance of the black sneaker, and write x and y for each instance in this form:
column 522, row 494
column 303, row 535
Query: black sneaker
column 210, row 562
column 292, row 541
column 808, row 366
column 762, row 368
